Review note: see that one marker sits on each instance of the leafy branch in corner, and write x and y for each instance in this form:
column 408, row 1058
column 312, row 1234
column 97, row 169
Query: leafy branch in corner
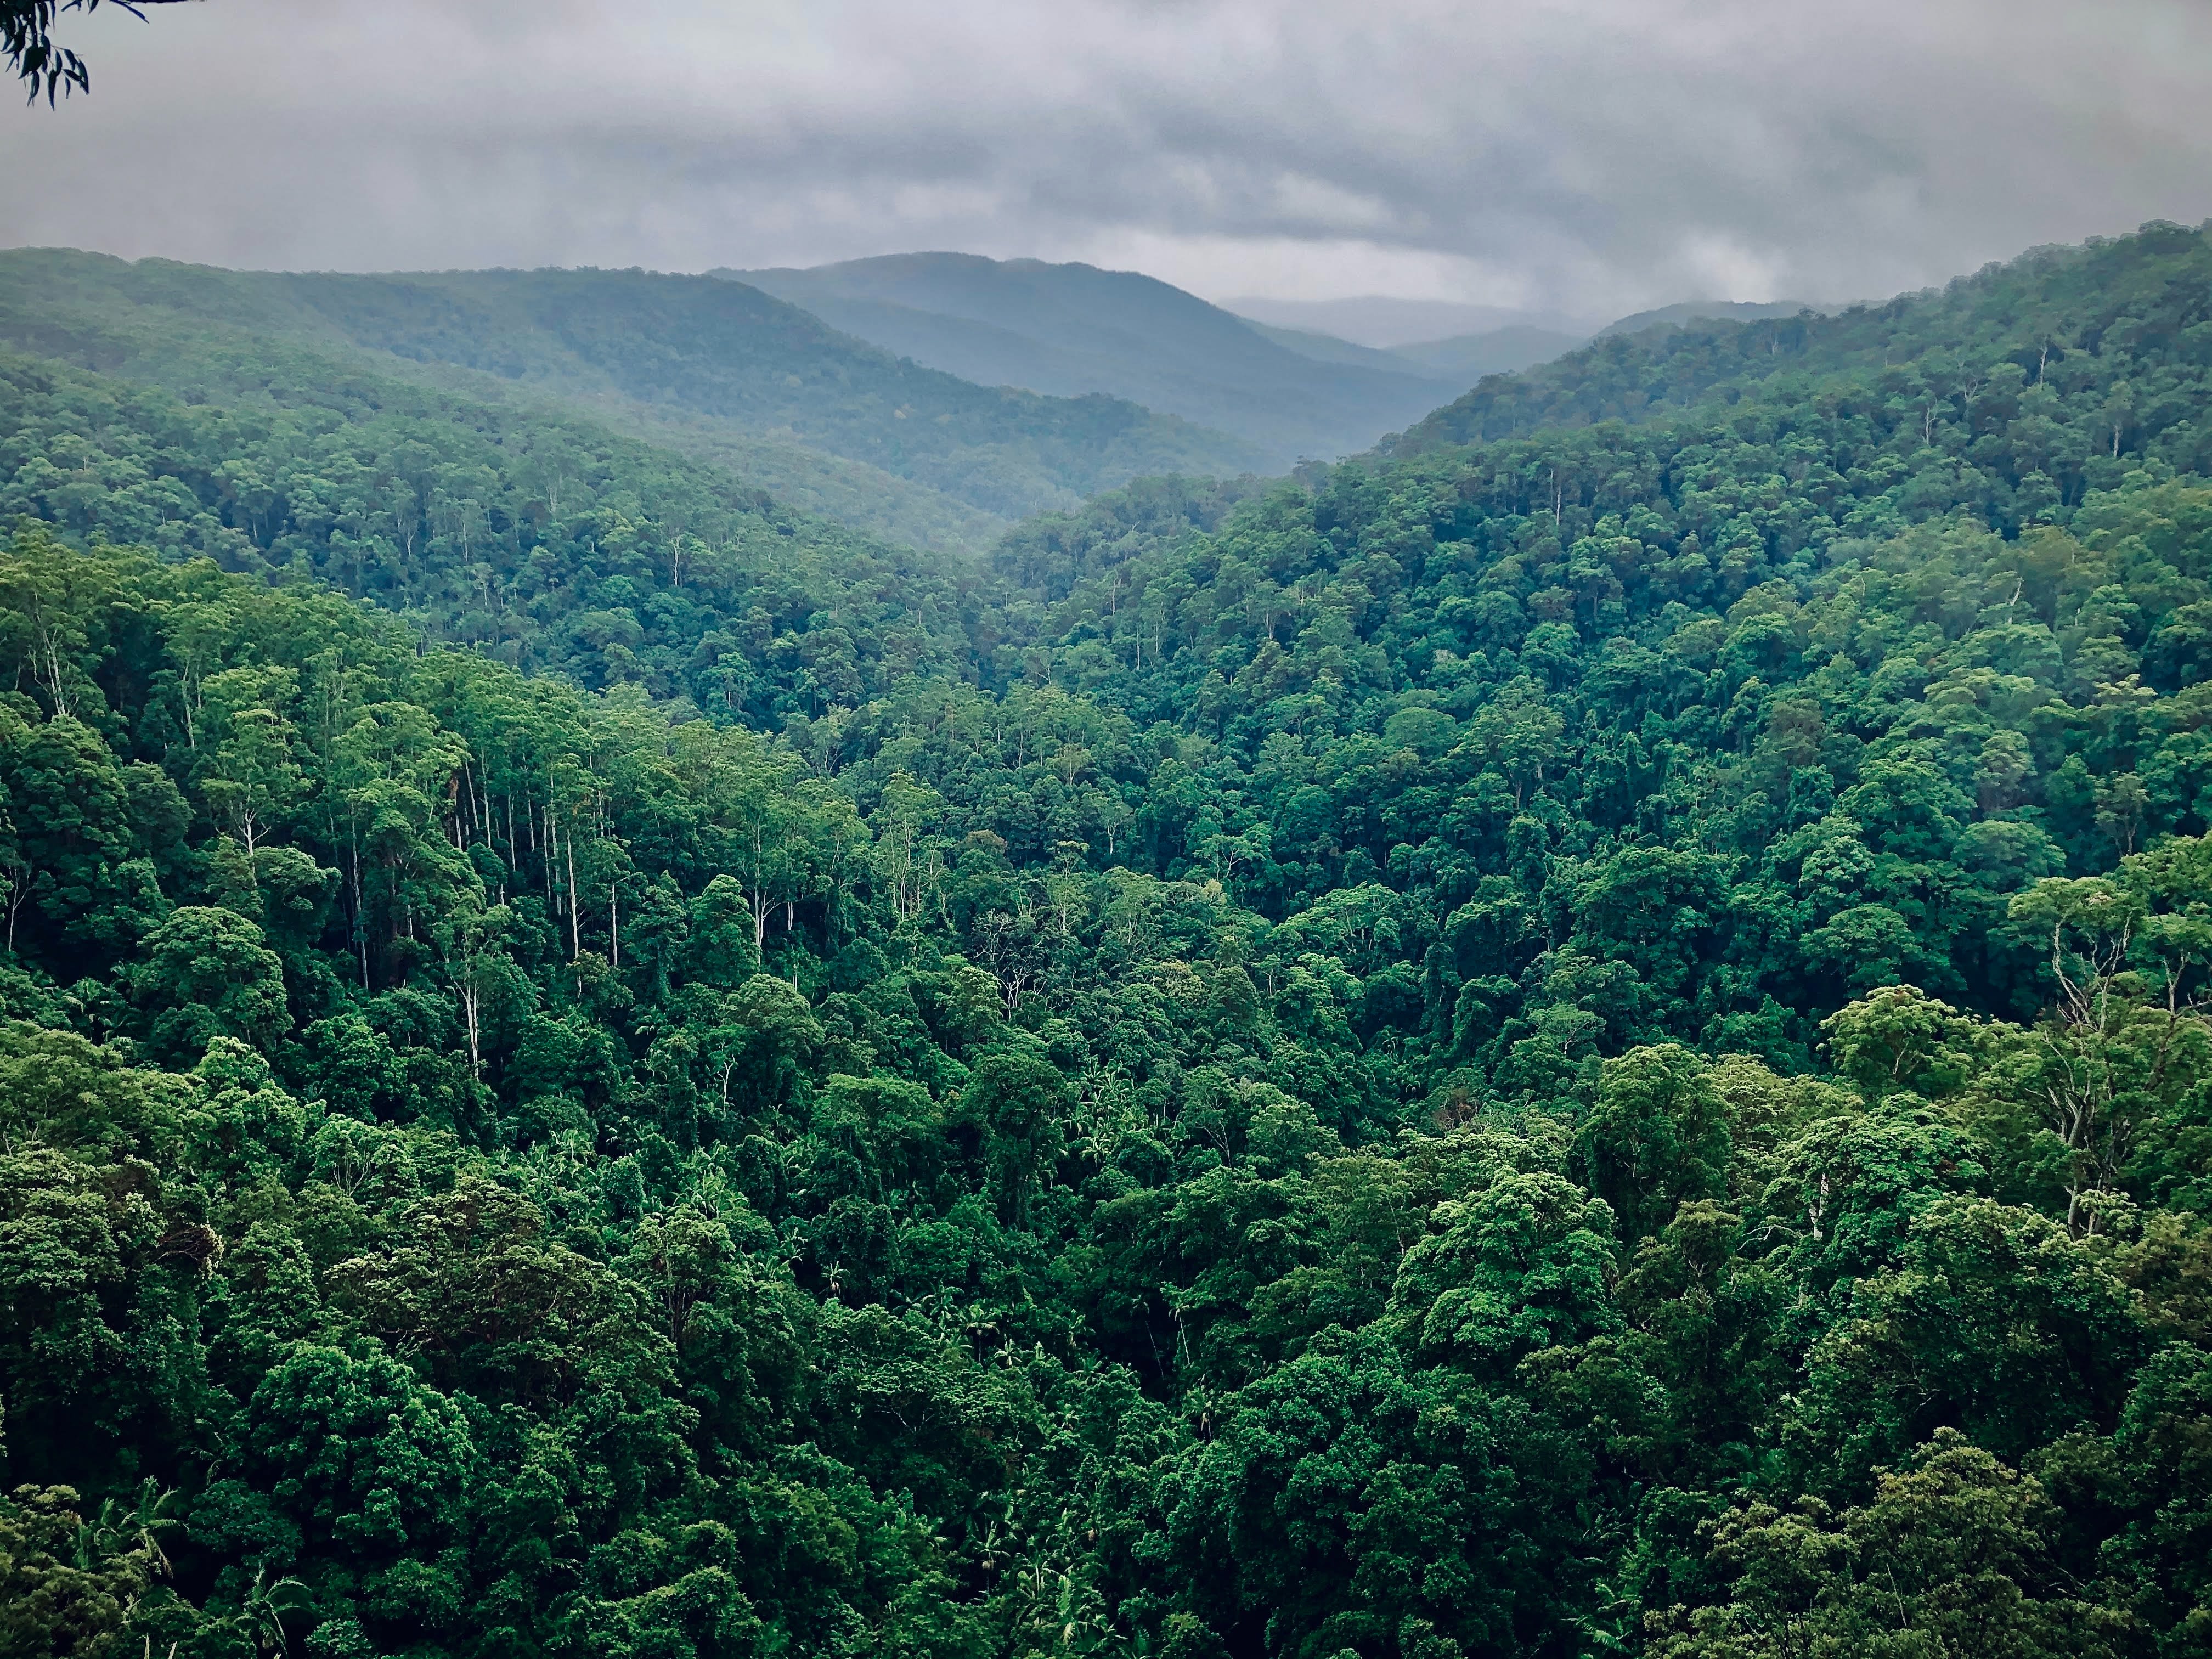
column 26, row 36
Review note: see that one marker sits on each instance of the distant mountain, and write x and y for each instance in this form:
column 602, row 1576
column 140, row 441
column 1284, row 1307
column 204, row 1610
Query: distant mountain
column 716, row 367
column 1068, row 330
column 1460, row 361
column 1387, row 323
column 1328, row 348
column 1701, row 311
column 1466, row 358
column 2016, row 323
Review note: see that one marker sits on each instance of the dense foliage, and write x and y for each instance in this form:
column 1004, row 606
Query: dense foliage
column 1592, row 1045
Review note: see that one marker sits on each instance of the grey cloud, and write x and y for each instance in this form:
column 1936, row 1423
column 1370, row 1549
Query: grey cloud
column 1586, row 156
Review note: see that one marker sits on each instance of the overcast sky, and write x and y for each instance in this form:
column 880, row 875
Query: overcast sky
column 1592, row 157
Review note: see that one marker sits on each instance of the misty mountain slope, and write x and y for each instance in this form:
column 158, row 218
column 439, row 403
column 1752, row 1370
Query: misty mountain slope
column 1070, row 329
column 1328, row 348
column 738, row 357
column 2069, row 314
column 1494, row 351
column 714, row 364
column 1386, row 321
column 1459, row 359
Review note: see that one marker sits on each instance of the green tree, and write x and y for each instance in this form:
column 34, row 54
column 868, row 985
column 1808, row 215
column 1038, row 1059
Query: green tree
column 1952, row 1555
column 207, row 973
column 1658, row 1138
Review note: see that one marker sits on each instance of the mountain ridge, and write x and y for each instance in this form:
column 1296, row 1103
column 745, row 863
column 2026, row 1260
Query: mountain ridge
column 724, row 365
column 1068, row 328
column 1385, row 322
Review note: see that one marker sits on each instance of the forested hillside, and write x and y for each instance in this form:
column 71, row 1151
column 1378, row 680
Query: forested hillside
column 1701, row 311
column 544, row 542
column 1590, row 1043
column 717, row 368
column 2096, row 350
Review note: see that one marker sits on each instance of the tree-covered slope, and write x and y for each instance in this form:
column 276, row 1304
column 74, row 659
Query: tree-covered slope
column 1702, row 311
column 1073, row 329
column 685, row 355
column 1595, row 1042
column 2062, row 354
column 550, row 543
